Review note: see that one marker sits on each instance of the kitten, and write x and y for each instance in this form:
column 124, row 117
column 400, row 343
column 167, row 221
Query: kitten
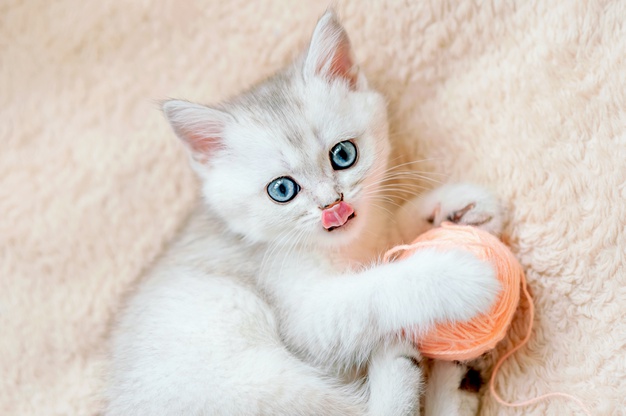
column 261, row 307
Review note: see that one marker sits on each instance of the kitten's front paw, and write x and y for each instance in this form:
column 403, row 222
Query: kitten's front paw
column 447, row 392
column 469, row 286
column 462, row 203
column 451, row 286
column 432, row 286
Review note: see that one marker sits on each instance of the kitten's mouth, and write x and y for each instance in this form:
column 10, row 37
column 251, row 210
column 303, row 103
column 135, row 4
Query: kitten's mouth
column 338, row 226
column 337, row 215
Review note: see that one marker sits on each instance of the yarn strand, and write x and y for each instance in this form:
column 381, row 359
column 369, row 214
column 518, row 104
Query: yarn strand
column 438, row 349
column 492, row 389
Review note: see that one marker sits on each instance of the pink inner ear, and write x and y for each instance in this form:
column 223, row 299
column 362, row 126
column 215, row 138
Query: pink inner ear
column 204, row 139
column 341, row 64
column 201, row 128
column 203, row 144
column 336, row 57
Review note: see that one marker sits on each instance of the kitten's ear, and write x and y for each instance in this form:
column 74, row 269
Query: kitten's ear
column 200, row 128
column 330, row 54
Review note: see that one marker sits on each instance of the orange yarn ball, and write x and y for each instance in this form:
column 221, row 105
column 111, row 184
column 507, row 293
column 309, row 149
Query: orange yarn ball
column 463, row 341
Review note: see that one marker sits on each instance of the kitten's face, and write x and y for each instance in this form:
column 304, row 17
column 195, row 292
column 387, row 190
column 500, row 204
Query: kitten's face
column 294, row 159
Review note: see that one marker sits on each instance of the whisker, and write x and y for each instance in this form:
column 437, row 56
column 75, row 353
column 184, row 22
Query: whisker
column 413, row 173
column 294, row 247
column 412, row 162
column 398, row 189
column 384, row 209
column 284, row 255
column 401, row 175
column 270, row 248
column 387, row 200
column 403, row 185
column 397, row 178
column 276, row 244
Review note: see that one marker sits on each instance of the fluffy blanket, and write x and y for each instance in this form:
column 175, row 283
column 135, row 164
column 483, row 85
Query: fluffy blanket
column 527, row 98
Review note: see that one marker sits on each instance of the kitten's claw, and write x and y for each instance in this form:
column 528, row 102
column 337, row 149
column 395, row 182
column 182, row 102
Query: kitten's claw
column 474, row 217
column 461, row 203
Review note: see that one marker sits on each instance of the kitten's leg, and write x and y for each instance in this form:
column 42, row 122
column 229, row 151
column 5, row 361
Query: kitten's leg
column 204, row 345
column 462, row 203
column 444, row 397
column 337, row 320
column 394, row 381
column 466, row 204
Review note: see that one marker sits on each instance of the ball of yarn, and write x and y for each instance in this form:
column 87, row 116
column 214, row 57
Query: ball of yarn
column 463, row 341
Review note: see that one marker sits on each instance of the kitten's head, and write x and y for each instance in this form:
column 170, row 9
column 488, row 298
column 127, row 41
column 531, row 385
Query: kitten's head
column 296, row 156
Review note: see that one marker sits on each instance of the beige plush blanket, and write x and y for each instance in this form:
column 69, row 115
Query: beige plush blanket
column 527, row 98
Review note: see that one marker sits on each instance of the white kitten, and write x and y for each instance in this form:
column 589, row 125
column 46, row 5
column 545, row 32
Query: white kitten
column 257, row 309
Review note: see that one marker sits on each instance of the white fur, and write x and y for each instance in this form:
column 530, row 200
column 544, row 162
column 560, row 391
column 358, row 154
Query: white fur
column 442, row 394
column 256, row 309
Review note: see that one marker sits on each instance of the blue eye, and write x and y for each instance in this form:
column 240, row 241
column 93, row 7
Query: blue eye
column 283, row 189
column 343, row 155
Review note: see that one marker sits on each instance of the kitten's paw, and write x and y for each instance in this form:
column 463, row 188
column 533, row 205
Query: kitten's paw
column 395, row 380
column 436, row 286
column 460, row 285
column 462, row 203
column 446, row 395
column 432, row 286
column 472, row 287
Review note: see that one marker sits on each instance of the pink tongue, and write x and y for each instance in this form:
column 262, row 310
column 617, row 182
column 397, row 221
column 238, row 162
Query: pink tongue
column 337, row 215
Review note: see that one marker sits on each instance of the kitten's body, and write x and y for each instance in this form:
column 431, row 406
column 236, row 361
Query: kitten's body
column 201, row 312
column 259, row 310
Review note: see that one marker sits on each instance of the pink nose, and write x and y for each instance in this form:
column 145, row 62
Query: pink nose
column 336, row 215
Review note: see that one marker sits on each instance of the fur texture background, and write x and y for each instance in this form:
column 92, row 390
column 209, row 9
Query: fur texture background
column 527, row 98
